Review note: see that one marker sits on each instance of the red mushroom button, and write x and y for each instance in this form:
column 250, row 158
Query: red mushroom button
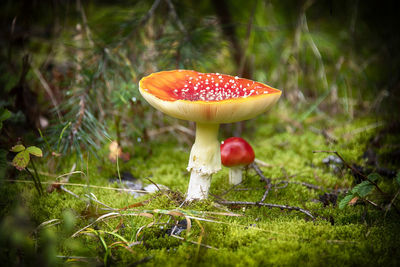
column 236, row 153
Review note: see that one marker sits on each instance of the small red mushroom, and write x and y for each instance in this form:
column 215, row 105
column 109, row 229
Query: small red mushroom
column 236, row 153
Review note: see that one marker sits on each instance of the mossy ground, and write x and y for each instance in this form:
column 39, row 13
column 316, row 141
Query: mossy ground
column 357, row 235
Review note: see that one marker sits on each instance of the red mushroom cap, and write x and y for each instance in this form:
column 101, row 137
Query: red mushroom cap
column 235, row 151
column 207, row 97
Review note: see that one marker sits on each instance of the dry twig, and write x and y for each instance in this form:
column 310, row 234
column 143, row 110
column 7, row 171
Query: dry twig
column 246, row 203
column 260, row 173
column 268, row 187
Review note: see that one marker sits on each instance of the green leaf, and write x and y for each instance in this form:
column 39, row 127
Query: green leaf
column 21, row 160
column 363, row 189
column 374, row 177
column 345, row 201
column 4, row 114
column 33, row 150
column 17, row 148
column 398, row 178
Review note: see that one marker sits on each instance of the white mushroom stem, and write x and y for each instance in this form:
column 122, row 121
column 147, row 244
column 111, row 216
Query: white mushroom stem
column 205, row 160
column 235, row 175
column 198, row 186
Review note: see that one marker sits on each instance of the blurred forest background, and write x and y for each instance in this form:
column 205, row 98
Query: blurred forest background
column 71, row 68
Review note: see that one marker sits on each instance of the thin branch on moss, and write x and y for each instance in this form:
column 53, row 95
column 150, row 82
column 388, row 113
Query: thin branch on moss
column 268, row 186
column 249, row 189
column 259, row 172
column 310, row 186
column 269, row 205
column 286, row 182
column 317, row 187
column 229, row 190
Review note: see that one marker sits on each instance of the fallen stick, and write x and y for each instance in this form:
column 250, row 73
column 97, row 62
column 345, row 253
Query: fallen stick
column 246, row 203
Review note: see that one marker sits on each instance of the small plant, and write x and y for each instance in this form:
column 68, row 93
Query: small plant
column 364, row 189
column 361, row 190
column 22, row 159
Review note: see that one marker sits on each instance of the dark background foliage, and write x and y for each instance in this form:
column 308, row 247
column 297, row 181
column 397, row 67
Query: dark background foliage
column 332, row 56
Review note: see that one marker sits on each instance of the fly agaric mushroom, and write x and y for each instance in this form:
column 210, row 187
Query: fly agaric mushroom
column 236, row 153
column 207, row 99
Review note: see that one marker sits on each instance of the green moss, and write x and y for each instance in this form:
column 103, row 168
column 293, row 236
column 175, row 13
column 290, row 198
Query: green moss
column 259, row 236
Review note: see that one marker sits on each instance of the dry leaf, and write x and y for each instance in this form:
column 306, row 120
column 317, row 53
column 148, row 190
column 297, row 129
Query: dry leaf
column 353, row 201
column 116, row 151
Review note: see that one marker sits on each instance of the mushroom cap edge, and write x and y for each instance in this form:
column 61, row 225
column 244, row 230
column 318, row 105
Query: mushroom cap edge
column 224, row 111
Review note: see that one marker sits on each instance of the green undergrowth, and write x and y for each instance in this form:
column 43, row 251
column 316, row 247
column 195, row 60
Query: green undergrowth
column 59, row 228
